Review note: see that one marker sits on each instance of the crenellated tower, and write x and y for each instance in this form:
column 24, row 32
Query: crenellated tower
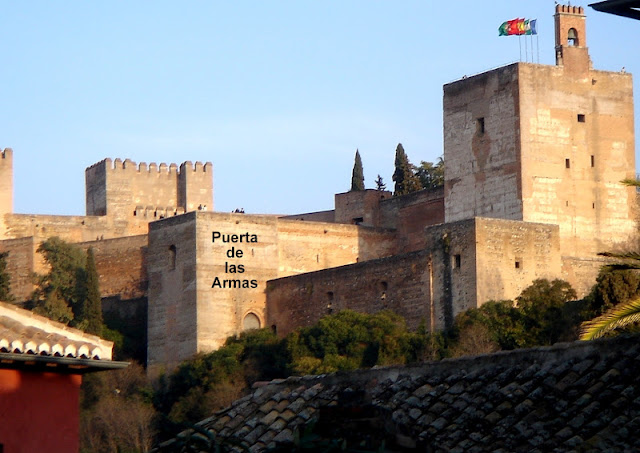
column 123, row 189
column 6, row 181
column 571, row 39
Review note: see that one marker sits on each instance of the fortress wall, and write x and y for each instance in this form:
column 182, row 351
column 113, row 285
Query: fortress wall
column 121, row 265
column 482, row 146
column 319, row 216
column 20, row 265
column 399, row 283
column 410, row 214
column 578, row 144
column 6, row 181
column 360, row 207
column 70, row 228
column 311, row 246
column 511, row 255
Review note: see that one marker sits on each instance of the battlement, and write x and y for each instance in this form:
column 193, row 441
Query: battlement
column 6, row 156
column 568, row 9
column 130, row 166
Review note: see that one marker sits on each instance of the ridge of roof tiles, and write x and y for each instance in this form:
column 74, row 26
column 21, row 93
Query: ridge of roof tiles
column 569, row 397
column 24, row 332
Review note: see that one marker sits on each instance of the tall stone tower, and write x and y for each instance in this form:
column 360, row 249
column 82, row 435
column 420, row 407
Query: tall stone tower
column 546, row 144
column 126, row 189
column 6, row 181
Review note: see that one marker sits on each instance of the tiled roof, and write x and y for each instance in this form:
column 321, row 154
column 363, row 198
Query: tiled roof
column 580, row 396
column 25, row 335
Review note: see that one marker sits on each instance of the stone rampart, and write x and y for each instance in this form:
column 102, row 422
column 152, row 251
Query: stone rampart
column 20, row 265
column 399, row 283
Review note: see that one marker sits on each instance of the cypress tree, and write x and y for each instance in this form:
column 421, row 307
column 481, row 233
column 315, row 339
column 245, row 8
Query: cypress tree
column 90, row 313
column 404, row 177
column 357, row 176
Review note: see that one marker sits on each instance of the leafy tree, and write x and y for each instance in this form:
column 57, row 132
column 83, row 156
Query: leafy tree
column 61, row 286
column 89, row 306
column 431, row 175
column 380, row 185
column 357, row 176
column 403, row 176
column 625, row 313
column 349, row 340
column 5, row 279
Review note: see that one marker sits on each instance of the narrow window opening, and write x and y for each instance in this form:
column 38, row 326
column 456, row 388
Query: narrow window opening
column 593, row 205
column 357, row 220
column 581, row 118
column 274, row 329
column 172, row 257
column 480, row 126
column 567, row 163
column 567, row 202
column 330, row 295
column 593, row 161
column 457, row 261
column 518, row 265
column 135, row 213
column 317, row 258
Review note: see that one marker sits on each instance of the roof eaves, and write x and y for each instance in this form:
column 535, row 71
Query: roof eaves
column 65, row 365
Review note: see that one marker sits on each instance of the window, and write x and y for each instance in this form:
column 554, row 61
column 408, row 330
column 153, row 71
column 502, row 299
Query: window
column 457, row 261
column 572, row 37
column 581, row 118
column 518, row 263
column 480, row 126
column 357, row 220
column 593, row 161
column 172, row 257
column 567, row 163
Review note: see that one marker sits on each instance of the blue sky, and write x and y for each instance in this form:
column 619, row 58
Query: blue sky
column 278, row 95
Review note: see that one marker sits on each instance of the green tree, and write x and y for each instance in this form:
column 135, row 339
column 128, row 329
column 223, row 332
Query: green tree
column 405, row 180
column 89, row 306
column 380, row 185
column 5, row 279
column 62, row 286
column 431, row 175
column 357, row 176
column 624, row 314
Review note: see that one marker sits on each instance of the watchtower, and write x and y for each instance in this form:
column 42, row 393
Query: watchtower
column 571, row 39
column 6, row 181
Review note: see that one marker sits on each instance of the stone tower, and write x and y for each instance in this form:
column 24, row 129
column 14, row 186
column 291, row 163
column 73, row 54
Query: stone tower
column 125, row 189
column 6, row 181
column 546, row 144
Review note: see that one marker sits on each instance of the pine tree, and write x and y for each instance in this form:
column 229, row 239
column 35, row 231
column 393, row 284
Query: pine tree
column 90, row 310
column 404, row 177
column 5, row 279
column 380, row 185
column 357, row 176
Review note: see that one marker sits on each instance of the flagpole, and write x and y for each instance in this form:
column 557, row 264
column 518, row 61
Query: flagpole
column 520, row 46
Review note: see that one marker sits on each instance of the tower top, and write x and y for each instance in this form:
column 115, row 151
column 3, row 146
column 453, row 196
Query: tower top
column 571, row 39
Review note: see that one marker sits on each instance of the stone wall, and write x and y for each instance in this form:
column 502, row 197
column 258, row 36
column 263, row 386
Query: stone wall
column 20, row 265
column 122, row 266
column 399, row 283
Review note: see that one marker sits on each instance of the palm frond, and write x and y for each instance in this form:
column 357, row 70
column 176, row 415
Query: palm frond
column 617, row 317
column 631, row 182
column 621, row 255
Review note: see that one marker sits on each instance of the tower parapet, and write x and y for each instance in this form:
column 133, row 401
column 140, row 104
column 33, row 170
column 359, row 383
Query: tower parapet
column 6, row 181
column 126, row 188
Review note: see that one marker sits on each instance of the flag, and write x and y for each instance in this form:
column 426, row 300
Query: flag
column 530, row 27
column 518, row 27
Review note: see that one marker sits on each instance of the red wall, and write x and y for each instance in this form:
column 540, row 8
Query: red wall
column 39, row 412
